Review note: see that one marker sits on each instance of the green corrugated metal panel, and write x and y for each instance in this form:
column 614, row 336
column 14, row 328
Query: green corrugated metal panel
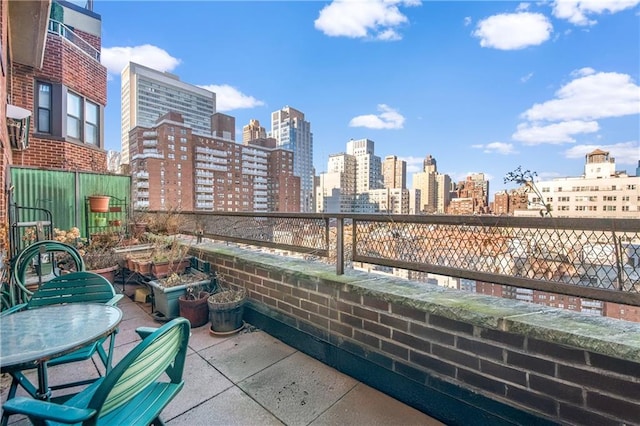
column 64, row 193
column 46, row 189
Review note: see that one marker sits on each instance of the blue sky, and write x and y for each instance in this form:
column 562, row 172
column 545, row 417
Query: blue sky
column 481, row 86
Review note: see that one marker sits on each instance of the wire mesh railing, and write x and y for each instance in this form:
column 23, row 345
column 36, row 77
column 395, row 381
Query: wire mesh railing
column 591, row 258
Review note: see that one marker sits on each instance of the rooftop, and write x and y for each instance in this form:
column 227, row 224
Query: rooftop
column 252, row 378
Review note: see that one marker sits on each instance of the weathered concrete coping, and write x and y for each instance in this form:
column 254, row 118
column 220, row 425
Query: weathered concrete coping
column 602, row 335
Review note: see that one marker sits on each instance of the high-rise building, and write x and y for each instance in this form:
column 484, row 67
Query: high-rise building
column 148, row 94
column 601, row 192
column 426, row 182
column 394, row 172
column 292, row 132
column 174, row 168
column 368, row 165
column 443, row 192
column 253, row 131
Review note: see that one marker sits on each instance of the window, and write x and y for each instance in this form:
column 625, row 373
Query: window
column 44, row 108
column 92, row 118
column 74, row 115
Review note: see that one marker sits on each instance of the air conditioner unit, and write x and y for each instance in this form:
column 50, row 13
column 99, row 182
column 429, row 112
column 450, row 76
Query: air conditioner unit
column 18, row 121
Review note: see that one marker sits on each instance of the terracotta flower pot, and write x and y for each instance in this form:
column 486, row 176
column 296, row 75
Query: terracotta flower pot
column 195, row 310
column 99, row 203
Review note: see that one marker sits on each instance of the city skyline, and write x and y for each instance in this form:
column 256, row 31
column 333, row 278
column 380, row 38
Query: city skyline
column 430, row 78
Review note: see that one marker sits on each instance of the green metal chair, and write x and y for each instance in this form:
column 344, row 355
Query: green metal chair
column 75, row 287
column 132, row 393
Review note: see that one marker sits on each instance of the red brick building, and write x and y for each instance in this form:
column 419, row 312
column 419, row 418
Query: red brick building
column 55, row 87
column 175, row 169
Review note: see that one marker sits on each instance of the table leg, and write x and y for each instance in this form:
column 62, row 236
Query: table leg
column 43, row 392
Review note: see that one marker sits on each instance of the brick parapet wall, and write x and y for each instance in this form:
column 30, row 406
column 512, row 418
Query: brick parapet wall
column 560, row 366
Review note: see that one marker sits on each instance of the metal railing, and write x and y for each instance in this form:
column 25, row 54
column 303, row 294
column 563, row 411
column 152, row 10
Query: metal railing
column 591, row 258
column 65, row 32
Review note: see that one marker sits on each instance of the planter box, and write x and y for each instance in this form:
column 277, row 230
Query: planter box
column 165, row 299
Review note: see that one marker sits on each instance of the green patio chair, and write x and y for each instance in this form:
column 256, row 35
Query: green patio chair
column 132, row 393
column 75, row 287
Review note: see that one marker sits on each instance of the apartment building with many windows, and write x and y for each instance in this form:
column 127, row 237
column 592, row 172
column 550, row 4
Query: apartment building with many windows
column 292, row 132
column 601, row 192
column 148, row 94
column 174, row 168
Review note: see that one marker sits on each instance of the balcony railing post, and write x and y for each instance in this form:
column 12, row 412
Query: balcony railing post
column 340, row 246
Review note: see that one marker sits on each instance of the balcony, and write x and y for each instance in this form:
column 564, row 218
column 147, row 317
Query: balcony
column 225, row 376
column 463, row 358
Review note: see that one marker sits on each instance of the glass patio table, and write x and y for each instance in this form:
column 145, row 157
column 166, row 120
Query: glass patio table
column 29, row 338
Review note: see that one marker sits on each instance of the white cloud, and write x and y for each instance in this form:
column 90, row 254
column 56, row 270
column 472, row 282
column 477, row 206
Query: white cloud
column 229, row 98
column 377, row 19
column 414, row 164
column 526, row 78
column 467, row 21
column 522, row 7
column 556, row 133
column 593, row 96
column 512, row 31
column 496, row 148
column 578, row 11
column 582, row 72
column 117, row 58
column 624, row 152
column 388, row 118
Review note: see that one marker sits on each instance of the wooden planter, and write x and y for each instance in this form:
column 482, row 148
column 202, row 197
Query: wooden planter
column 99, row 203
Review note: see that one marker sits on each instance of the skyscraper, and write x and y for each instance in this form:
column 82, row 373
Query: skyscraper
column 394, row 172
column 368, row 165
column 148, row 94
column 426, row 182
column 253, row 131
column 291, row 131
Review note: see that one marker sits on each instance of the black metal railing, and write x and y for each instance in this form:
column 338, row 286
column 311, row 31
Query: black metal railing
column 592, row 258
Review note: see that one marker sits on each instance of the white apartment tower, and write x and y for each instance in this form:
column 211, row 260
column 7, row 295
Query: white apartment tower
column 292, row 132
column 601, row 192
column 148, row 94
column 368, row 165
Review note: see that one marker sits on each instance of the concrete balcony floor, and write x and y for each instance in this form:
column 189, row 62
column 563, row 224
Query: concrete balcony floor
column 251, row 378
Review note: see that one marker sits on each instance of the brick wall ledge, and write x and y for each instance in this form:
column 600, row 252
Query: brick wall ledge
column 606, row 336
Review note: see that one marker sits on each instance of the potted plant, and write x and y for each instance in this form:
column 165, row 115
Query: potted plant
column 102, row 260
column 99, row 255
column 193, row 304
column 138, row 223
column 169, row 259
column 226, row 309
column 166, row 291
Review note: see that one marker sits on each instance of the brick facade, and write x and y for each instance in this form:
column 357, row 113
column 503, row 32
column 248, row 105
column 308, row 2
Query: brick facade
column 5, row 150
column 426, row 347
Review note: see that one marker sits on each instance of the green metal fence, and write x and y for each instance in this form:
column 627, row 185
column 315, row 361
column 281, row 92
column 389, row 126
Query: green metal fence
column 63, row 193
